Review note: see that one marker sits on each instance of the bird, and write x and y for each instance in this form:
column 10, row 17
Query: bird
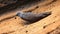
column 32, row 17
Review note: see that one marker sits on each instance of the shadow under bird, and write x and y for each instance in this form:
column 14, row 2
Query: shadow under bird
column 32, row 17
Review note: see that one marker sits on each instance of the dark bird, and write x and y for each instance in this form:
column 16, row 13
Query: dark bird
column 32, row 17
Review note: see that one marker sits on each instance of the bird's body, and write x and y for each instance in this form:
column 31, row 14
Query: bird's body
column 32, row 17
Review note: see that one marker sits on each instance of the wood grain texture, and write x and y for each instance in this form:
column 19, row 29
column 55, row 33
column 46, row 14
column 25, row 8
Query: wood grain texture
column 48, row 25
